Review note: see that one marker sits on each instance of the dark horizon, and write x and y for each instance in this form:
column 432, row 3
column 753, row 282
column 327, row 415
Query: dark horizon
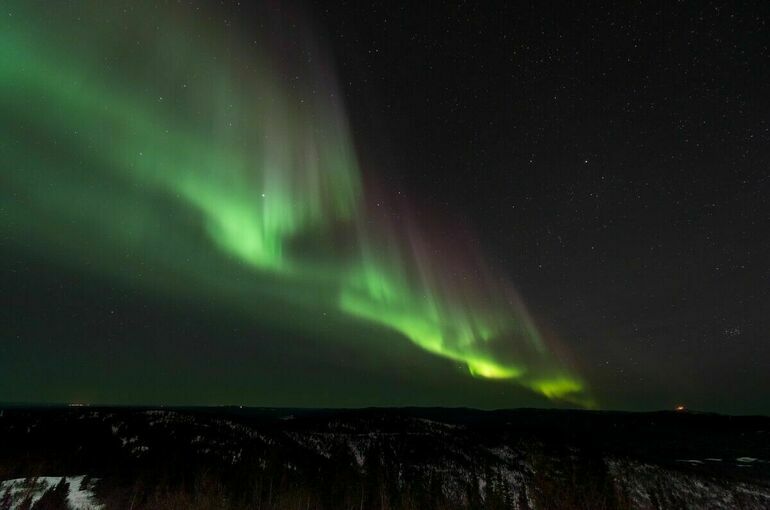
column 312, row 410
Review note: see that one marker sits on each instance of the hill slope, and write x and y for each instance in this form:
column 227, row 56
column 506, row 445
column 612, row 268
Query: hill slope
column 387, row 458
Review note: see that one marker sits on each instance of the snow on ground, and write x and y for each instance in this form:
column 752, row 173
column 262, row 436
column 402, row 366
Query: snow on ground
column 358, row 452
column 649, row 487
column 78, row 497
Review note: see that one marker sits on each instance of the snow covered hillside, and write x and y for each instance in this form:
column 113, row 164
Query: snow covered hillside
column 275, row 459
column 74, row 491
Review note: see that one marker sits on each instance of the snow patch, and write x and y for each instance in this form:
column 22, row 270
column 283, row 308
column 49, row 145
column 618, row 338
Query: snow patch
column 80, row 495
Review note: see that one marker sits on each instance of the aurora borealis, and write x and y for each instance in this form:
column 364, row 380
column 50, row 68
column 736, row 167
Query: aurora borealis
column 128, row 148
column 336, row 204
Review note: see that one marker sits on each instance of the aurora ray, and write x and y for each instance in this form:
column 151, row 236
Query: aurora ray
column 250, row 145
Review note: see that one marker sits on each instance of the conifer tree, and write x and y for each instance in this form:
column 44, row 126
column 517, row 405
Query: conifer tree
column 6, row 500
column 54, row 498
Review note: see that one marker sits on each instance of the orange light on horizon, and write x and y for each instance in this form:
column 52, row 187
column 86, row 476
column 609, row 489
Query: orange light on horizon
column 680, row 408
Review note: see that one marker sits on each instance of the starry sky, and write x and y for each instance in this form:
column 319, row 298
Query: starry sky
column 352, row 204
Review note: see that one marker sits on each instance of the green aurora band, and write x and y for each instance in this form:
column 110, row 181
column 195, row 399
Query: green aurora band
column 107, row 119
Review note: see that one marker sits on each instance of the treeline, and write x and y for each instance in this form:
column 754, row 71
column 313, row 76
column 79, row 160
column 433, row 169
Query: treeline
column 378, row 485
column 382, row 483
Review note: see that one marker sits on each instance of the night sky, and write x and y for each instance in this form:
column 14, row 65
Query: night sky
column 362, row 204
